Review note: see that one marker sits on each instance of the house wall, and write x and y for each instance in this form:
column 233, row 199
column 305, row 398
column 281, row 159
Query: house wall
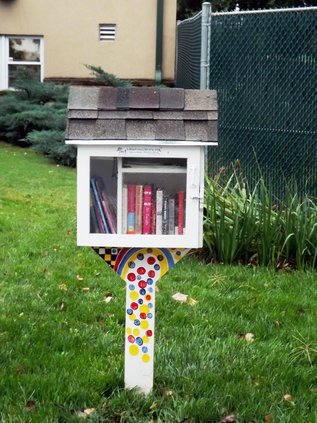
column 71, row 35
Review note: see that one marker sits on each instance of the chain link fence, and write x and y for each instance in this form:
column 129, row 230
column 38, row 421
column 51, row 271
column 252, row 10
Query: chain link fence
column 264, row 66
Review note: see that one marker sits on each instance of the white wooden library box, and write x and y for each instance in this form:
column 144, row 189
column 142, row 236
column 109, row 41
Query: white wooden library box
column 140, row 164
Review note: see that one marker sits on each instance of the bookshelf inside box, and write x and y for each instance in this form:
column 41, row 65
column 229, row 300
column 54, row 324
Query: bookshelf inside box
column 165, row 183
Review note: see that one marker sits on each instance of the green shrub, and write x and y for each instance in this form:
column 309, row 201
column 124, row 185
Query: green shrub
column 243, row 225
column 35, row 114
column 51, row 143
column 105, row 78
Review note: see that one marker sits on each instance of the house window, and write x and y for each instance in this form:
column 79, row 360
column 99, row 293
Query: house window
column 107, row 32
column 20, row 53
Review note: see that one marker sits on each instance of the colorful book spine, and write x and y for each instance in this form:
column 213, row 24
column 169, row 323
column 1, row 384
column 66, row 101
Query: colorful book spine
column 159, row 211
column 180, row 213
column 131, row 209
column 165, row 215
column 107, row 209
column 147, row 205
column 153, row 212
column 124, row 214
column 99, row 209
column 171, row 216
column 138, row 208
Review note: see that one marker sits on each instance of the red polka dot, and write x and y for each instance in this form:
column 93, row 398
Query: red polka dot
column 141, row 270
column 142, row 284
column 143, row 315
column 149, row 332
column 148, row 297
column 151, row 260
column 151, row 273
column 134, row 306
column 131, row 277
column 131, row 339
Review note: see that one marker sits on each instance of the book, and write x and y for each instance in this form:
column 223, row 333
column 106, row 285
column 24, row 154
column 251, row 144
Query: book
column 159, row 211
column 98, row 207
column 165, row 215
column 147, row 206
column 138, row 208
column 171, row 216
column 153, row 212
column 124, row 215
column 108, row 208
column 180, row 213
column 131, row 209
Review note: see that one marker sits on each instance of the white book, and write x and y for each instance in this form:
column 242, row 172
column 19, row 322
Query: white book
column 159, row 211
column 125, row 209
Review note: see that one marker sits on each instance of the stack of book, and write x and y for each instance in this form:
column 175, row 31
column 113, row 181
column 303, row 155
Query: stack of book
column 147, row 209
column 102, row 209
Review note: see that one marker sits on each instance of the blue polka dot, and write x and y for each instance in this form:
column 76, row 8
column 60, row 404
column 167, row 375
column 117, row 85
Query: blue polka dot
column 156, row 266
column 149, row 281
column 149, row 315
column 150, row 290
column 131, row 287
column 140, row 301
column 142, row 291
column 131, row 265
column 150, row 305
column 178, row 253
column 137, row 322
column 145, row 349
column 139, row 277
column 130, row 311
column 139, row 341
column 140, row 256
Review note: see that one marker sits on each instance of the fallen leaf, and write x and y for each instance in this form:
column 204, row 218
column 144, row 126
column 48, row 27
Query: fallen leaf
column 192, row 302
column 69, row 232
column 30, row 405
column 108, row 298
column 62, row 306
column 249, row 337
column 268, row 418
column 182, row 298
column 277, row 323
column 86, row 289
column 20, row 369
column 85, row 413
column 288, row 397
column 63, row 287
column 231, row 418
column 79, row 278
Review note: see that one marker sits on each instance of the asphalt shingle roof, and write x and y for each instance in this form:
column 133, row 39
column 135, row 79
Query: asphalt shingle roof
column 142, row 113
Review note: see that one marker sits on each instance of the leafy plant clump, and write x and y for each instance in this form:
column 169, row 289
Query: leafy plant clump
column 34, row 114
column 244, row 225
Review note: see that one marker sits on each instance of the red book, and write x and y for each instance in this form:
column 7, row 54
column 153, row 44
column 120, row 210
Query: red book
column 147, row 209
column 153, row 213
column 131, row 208
column 180, row 216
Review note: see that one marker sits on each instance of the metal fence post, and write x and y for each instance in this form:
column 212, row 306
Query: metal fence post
column 205, row 45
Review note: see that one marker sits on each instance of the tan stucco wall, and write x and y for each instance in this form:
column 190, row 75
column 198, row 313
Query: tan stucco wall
column 71, row 35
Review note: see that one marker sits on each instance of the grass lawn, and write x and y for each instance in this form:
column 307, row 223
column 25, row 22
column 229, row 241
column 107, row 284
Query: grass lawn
column 61, row 343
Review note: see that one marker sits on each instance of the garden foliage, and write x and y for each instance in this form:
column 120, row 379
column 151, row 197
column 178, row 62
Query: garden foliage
column 247, row 225
column 34, row 114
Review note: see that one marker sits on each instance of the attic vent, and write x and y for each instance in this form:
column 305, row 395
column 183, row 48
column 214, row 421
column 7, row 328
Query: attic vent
column 107, row 32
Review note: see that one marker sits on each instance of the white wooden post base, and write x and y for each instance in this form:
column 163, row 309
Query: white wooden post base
column 139, row 336
column 140, row 268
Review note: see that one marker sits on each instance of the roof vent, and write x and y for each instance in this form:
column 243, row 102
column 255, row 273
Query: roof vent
column 107, row 32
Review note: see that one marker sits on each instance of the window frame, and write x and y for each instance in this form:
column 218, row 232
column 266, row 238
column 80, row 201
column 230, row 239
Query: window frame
column 4, row 55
